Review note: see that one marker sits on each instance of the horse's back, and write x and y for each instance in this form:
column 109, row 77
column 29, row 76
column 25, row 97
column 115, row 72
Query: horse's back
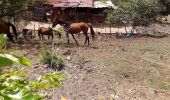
column 78, row 27
column 45, row 31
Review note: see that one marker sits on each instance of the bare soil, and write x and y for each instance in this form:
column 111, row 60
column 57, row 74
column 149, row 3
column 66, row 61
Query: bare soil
column 110, row 68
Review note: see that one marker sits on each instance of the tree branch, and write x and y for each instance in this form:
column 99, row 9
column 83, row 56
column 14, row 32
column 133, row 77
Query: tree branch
column 9, row 14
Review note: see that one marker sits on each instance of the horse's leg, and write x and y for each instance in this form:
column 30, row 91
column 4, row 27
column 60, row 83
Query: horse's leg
column 85, row 41
column 87, row 38
column 67, row 37
column 48, row 37
column 39, row 35
column 10, row 37
column 52, row 36
column 43, row 37
column 75, row 39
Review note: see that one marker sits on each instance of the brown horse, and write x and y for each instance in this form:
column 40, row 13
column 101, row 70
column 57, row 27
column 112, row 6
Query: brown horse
column 46, row 31
column 5, row 28
column 76, row 28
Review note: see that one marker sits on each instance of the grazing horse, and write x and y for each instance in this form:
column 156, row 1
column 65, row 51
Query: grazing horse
column 76, row 28
column 46, row 31
column 5, row 28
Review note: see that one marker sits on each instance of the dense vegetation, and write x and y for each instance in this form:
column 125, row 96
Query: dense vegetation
column 15, row 84
column 134, row 12
column 166, row 3
column 12, row 8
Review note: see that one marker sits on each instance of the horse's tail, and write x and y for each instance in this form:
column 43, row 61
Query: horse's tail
column 14, row 29
column 92, row 31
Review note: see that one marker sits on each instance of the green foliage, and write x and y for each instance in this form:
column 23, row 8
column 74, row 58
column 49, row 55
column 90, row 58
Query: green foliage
column 3, row 39
column 58, row 41
column 166, row 3
column 141, row 12
column 52, row 60
column 16, row 86
column 6, row 58
column 48, row 81
column 12, row 8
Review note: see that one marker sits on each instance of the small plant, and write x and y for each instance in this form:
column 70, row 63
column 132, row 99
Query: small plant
column 52, row 60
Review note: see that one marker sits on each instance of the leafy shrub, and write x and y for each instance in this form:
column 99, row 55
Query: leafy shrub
column 6, row 58
column 48, row 81
column 52, row 60
column 141, row 12
column 15, row 85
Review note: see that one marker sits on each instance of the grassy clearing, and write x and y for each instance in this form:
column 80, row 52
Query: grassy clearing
column 144, row 62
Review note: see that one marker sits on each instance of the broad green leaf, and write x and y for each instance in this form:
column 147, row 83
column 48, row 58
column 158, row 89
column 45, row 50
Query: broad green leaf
column 5, row 62
column 23, row 94
column 3, row 39
column 16, row 59
column 33, row 97
column 23, row 61
column 48, row 81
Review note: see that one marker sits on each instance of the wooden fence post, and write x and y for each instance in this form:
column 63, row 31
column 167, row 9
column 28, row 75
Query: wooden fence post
column 34, row 29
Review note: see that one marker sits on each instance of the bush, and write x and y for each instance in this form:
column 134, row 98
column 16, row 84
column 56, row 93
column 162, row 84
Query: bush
column 141, row 12
column 52, row 60
column 15, row 85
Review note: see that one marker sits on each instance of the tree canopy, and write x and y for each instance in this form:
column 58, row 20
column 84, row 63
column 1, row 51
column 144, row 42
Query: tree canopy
column 166, row 3
column 12, row 8
column 134, row 10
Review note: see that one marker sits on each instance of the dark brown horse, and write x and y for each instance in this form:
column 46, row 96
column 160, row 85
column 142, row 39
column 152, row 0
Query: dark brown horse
column 5, row 28
column 46, row 31
column 76, row 28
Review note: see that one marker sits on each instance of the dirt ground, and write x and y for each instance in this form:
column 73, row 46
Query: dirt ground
column 110, row 68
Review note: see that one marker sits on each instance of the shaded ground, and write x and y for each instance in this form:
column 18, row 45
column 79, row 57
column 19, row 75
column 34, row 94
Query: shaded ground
column 123, row 69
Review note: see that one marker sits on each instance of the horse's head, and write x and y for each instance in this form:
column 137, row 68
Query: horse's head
column 54, row 24
column 60, row 22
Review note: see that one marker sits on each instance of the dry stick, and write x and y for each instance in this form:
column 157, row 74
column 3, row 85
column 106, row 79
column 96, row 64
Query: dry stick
column 126, row 28
column 105, row 27
column 110, row 29
column 34, row 29
column 118, row 27
column 101, row 27
column 52, row 51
